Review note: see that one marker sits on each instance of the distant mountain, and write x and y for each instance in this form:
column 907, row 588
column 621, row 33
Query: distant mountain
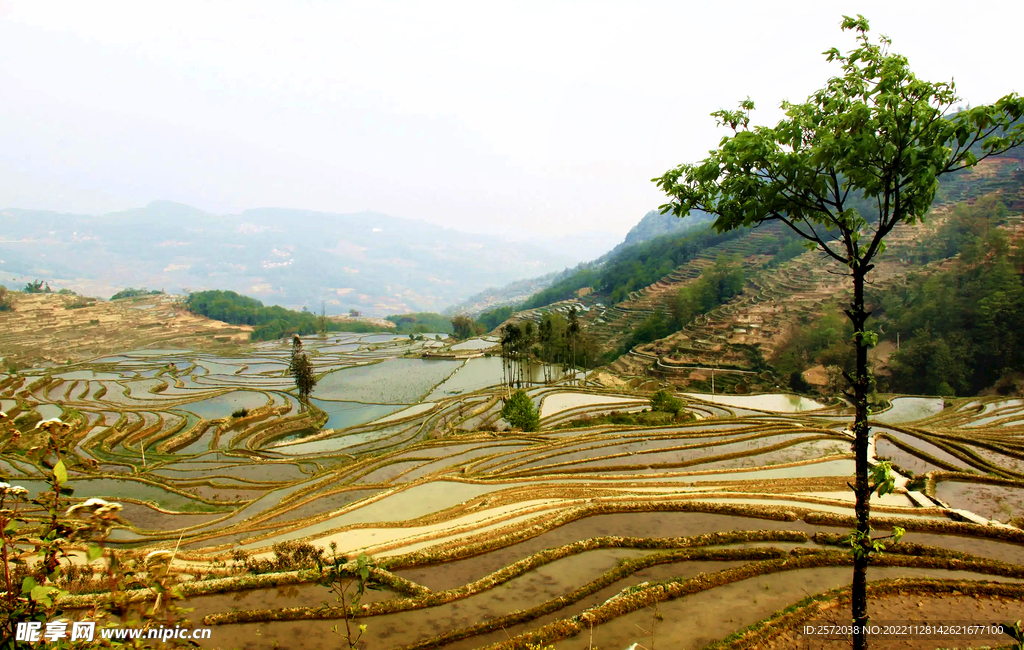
column 655, row 224
column 651, row 226
column 368, row 261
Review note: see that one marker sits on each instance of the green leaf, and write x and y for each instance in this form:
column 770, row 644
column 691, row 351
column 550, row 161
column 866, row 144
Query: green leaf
column 882, row 477
column 27, row 585
column 60, row 472
column 94, row 552
column 41, row 594
column 11, row 527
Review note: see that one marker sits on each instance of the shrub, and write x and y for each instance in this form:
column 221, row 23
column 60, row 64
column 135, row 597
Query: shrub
column 520, row 412
column 665, row 402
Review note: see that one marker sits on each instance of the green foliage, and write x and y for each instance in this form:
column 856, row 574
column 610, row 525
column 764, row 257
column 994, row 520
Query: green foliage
column 664, row 401
column 421, row 323
column 301, row 369
column 135, row 293
column 638, row 266
column 520, row 412
column 6, row 301
column 494, row 317
column 882, row 478
column 269, row 322
column 969, row 231
column 348, row 581
column 960, row 327
column 1015, row 631
column 827, row 340
column 583, row 276
column 463, row 327
column 643, row 419
column 37, row 286
column 38, row 537
column 864, row 545
column 874, row 132
column 716, row 286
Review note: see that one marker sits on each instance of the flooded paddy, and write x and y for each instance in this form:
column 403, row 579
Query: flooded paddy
column 408, row 457
column 779, row 403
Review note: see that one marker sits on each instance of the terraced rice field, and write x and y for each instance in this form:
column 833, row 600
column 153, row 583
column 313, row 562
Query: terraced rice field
column 578, row 537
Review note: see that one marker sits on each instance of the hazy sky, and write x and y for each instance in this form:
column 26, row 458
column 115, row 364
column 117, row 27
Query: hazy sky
column 481, row 115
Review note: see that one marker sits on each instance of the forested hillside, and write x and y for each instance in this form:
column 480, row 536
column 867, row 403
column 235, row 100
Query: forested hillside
column 950, row 289
column 269, row 323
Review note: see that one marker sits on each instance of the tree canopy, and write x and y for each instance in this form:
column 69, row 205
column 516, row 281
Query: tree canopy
column 520, row 412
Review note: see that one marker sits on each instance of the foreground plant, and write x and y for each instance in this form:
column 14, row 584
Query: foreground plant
column 37, row 552
column 348, row 581
column 859, row 157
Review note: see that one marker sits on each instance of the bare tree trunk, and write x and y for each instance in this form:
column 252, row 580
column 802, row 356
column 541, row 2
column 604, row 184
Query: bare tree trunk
column 861, row 388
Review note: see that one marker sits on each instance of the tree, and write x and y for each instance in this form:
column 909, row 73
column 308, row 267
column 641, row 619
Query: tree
column 511, row 340
column 520, row 412
column 301, row 369
column 665, row 402
column 463, row 326
column 875, row 138
column 572, row 332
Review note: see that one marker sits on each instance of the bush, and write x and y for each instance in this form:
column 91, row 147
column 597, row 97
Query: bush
column 664, row 401
column 5, row 299
column 520, row 412
column 131, row 292
column 240, row 413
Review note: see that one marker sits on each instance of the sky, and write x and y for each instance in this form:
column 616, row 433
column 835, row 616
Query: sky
column 525, row 119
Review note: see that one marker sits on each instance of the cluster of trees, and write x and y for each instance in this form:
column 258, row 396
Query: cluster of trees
column 960, row 328
column 494, row 317
column 135, row 293
column 715, row 286
column 827, row 340
column 6, row 302
column 634, row 267
column 421, row 323
column 270, row 323
column 965, row 231
column 558, row 340
column 37, row 286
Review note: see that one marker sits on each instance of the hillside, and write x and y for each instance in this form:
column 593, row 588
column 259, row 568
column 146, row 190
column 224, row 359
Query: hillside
column 787, row 291
column 368, row 261
column 48, row 328
column 651, row 226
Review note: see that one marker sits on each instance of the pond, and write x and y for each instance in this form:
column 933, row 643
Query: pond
column 341, row 415
column 558, row 402
column 395, row 381
column 222, row 406
column 908, row 409
column 777, row 402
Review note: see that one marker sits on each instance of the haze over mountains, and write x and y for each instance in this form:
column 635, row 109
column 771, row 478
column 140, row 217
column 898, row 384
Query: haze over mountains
column 368, row 261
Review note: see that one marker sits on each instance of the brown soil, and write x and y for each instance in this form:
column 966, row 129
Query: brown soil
column 41, row 328
column 975, row 609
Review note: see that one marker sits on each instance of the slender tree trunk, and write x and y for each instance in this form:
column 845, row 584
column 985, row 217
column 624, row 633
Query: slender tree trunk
column 861, row 431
